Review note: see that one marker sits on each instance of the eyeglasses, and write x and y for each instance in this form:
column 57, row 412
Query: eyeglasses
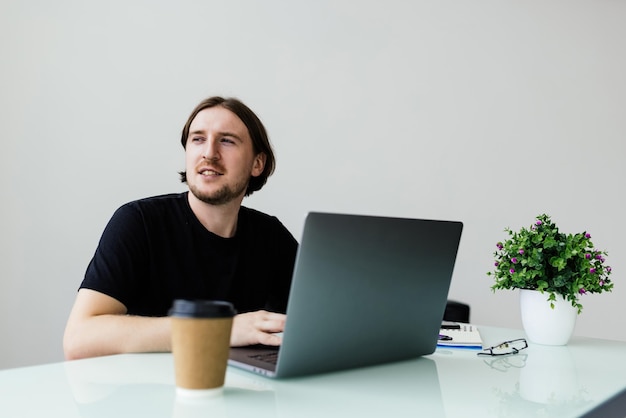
column 505, row 348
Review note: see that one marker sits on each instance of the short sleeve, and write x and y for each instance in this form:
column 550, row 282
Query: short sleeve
column 121, row 255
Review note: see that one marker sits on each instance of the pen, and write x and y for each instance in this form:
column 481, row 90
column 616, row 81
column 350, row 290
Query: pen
column 444, row 337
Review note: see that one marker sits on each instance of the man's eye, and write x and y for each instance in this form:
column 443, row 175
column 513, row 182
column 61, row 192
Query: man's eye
column 197, row 139
column 228, row 140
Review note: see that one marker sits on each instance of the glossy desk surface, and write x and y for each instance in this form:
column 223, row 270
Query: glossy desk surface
column 541, row 381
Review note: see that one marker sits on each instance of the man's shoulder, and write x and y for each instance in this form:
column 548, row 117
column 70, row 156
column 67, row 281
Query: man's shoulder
column 161, row 206
column 256, row 219
column 160, row 202
column 254, row 215
column 265, row 231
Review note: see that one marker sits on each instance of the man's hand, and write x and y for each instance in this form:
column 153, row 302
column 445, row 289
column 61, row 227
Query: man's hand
column 257, row 328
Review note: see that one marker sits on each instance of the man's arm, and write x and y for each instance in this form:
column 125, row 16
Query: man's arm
column 98, row 326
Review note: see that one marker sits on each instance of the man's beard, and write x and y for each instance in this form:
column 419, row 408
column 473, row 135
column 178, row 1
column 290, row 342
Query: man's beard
column 222, row 196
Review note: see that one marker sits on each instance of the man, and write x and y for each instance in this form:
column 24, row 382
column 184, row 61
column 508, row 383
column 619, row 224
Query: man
column 200, row 244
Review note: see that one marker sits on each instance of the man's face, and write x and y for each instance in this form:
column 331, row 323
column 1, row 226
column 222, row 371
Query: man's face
column 219, row 157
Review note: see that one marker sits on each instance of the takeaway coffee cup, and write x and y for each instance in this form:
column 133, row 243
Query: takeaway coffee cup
column 200, row 344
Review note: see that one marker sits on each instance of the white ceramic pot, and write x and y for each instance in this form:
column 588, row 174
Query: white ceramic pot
column 544, row 325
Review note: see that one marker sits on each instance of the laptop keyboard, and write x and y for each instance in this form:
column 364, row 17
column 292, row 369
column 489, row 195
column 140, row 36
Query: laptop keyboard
column 271, row 357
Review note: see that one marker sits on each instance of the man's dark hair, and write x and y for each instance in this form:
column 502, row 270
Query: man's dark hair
column 258, row 134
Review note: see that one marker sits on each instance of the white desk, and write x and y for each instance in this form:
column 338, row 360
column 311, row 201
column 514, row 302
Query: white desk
column 540, row 381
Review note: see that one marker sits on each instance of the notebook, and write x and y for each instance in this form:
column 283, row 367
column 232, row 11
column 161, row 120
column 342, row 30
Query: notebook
column 463, row 336
column 366, row 290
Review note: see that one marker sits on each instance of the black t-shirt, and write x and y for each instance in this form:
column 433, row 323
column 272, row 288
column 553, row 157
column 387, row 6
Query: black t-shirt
column 155, row 250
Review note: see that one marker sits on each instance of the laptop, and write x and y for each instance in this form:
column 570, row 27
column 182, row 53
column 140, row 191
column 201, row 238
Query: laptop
column 366, row 290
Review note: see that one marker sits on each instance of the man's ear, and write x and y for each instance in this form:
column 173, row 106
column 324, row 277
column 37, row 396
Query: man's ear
column 259, row 164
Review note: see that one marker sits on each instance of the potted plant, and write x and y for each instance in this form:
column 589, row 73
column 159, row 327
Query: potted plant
column 541, row 260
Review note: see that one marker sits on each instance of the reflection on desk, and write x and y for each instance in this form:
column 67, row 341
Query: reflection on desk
column 412, row 385
column 541, row 381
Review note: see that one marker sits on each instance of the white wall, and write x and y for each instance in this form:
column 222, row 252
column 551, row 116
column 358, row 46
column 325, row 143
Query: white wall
column 488, row 112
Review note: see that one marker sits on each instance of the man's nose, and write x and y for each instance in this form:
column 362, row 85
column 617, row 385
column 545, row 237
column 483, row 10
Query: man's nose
column 210, row 151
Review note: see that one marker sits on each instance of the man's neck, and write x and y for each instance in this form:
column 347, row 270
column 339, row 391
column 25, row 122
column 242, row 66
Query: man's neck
column 218, row 219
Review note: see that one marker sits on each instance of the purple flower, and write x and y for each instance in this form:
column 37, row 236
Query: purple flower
column 514, row 260
column 599, row 256
column 500, row 246
column 592, row 270
column 538, row 222
column 582, row 291
column 608, row 269
column 587, row 235
column 512, row 271
column 521, row 251
column 601, row 282
column 587, row 256
column 496, row 264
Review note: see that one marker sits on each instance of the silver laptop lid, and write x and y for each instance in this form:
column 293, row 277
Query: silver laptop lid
column 366, row 290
